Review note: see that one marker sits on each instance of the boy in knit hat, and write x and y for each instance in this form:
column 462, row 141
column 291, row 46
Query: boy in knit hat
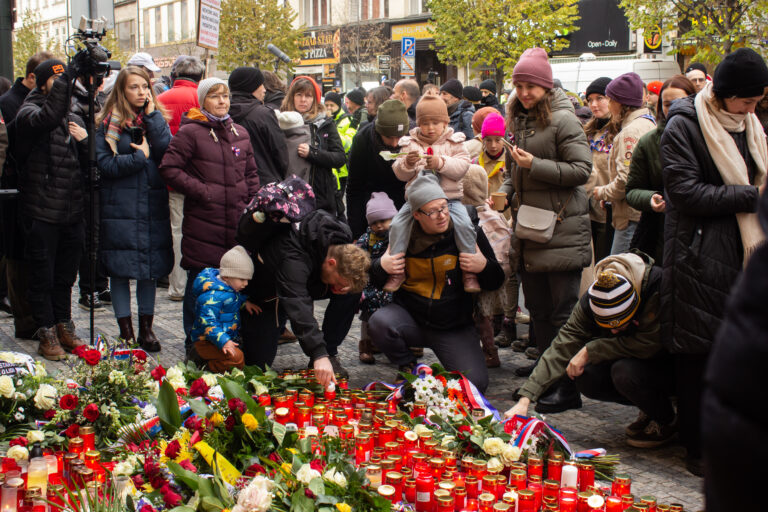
column 216, row 330
column 433, row 148
column 379, row 213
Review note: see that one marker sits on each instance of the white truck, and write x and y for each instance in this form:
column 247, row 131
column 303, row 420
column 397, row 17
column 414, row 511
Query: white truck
column 577, row 74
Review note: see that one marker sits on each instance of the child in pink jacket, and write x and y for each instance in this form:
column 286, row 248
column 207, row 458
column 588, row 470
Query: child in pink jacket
column 433, row 147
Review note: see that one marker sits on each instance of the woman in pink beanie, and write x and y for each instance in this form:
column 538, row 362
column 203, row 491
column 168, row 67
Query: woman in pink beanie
column 550, row 163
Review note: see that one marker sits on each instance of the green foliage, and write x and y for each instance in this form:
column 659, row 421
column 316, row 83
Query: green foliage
column 28, row 40
column 168, row 409
column 248, row 26
column 713, row 29
column 111, row 43
column 497, row 32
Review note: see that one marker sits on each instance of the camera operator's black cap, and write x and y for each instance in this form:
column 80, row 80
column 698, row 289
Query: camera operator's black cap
column 245, row 79
column 47, row 69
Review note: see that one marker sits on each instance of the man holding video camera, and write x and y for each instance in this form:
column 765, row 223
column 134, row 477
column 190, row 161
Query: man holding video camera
column 49, row 143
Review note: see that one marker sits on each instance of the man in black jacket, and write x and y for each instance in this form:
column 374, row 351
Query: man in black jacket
column 431, row 309
column 368, row 171
column 311, row 260
column 248, row 109
column 11, row 101
column 48, row 147
column 488, row 90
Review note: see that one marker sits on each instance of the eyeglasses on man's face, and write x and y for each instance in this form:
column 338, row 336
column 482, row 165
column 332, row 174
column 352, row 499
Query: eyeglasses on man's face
column 443, row 210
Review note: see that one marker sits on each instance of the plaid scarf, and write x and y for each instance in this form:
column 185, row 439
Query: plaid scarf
column 113, row 129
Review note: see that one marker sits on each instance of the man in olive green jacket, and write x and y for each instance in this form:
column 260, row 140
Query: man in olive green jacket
column 611, row 347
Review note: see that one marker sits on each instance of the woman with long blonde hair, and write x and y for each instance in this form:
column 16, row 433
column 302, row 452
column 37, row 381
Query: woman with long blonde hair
column 135, row 238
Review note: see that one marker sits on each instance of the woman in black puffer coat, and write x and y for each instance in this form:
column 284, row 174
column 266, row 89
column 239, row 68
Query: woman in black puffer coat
column 709, row 140
column 325, row 151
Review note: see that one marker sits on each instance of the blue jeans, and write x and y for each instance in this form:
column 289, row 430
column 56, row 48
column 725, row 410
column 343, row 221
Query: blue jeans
column 622, row 238
column 463, row 229
column 121, row 296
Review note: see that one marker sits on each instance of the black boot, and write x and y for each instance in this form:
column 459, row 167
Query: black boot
column 126, row 330
column 561, row 396
column 508, row 333
column 147, row 339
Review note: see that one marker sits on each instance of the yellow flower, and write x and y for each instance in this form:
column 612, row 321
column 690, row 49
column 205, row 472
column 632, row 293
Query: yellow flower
column 343, row 507
column 250, row 422
column 285, row 468
column 216, row 419
column 293, row 450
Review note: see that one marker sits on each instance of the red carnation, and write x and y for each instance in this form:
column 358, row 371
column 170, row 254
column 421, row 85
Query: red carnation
column 158, row 373
column 72, row 431
column 309, row 494
column 138, row 481
column 49, row 414
column 173, row 449
column 170, row 498
column 254, row 469
column 199, row 388
column 181, row 391
column 19, row 441
column 196, row 438
column 229, row 423
column 91, row 412
column 68, row 402
column 235, row 404
column 92, row 357
column 80, row 350
column 193, row 423
column 186, row 464
column 140, row 355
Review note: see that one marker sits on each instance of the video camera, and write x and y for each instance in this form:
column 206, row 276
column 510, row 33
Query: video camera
column 92, row 59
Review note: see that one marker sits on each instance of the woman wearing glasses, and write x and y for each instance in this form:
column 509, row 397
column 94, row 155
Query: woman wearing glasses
column 210, row 161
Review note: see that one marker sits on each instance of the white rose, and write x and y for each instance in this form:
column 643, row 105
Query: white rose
column 447, row 440
column 305, row 474
column 421, row 429
column 18, row 453
column 495, row 465
column 35, row 436
column 259, row 388
column 493, row 445
column 175, row 376
column 510, row 454
column 123, row 468
column 210, row 379
column 45, row 398
column 336, row 477
column 7, row 389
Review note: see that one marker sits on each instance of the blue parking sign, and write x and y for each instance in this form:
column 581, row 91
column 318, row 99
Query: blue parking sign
column 408, row 47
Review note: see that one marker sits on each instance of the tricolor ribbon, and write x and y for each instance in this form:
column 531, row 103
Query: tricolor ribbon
column 476, row 399
column 532, row 427
column 589, row 454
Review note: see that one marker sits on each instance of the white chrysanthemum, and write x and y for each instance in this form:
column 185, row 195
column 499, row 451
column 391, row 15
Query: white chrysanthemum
column 305, row 474
column 45, row 398
column 256, row 497
column 149, row 411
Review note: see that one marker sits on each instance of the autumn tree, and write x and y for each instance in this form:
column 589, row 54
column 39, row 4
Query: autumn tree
column 28, row 40
column 111, row 43
column 361, row 43
column 248, row 26
column 497, row 32
column 713, row 28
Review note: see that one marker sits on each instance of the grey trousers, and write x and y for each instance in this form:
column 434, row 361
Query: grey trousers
column 464, row 230
column 550, row 297
column 394, row 331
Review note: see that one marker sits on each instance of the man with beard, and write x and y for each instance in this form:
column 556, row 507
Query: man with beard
column 488, row 90
column 368, row 171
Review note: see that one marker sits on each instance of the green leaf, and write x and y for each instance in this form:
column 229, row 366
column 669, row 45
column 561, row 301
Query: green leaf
column 182, row 508
column 279, row 432
column 305, row 445
column 300, row 503
column 317, row 486
column 168, row 409
column 211, row 504
column 199, row 407
column 189, row 478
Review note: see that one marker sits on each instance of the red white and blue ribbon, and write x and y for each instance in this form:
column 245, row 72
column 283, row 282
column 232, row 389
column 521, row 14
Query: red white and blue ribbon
column 476, row 399
column 589, row 454
column 534, row 426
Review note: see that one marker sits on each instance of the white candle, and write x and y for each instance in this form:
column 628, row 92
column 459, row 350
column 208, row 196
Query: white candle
column 570, row 476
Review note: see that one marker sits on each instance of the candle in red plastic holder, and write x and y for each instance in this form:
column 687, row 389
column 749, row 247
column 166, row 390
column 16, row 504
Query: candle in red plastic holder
column 436, row 466
column 409, row 488
column 551, row 488
column 397, row 459
column 568, row 503
column 501, row 486
column 445, row 504
column 303, row 416
column 517, row 479
column 586, row 476
column 395, row 479
column 627, row 501
column 76, row 446
column 488, row 484
column 473, row 486
column 458, row 479
column 486, row 501
column 613, row 504
column 555, row 468
column 283, row 415
column 417, row 458
column 421, row 469
column 622, row 484
column 650, row 501
column 419, row 409
column 362, row 448
column 56, row 493
column 388, row 492
column 425, row 486
column 88, row 435
column 526, row 501
column 538, row 492
column 386, row 435
column 330, row 392
column 307, row 397
column 340, row 420
column 568, row 492
column 535, row 467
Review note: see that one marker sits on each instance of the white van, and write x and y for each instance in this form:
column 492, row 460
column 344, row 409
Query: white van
column 577, row 74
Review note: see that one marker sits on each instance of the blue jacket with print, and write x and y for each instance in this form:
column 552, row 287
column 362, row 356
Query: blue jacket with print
column 217, row 309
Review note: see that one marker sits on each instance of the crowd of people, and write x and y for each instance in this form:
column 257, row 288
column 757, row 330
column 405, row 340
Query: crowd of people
column 626, row 218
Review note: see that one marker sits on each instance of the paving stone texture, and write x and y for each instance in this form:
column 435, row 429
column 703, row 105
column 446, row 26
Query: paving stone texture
column 660, row 472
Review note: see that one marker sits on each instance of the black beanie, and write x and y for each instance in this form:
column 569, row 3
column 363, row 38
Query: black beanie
column 453, row 87
column 472, row 94
column 356, row 96
column 245, row 79
column 488, row 85
column 696, row 65
column 46, row 70
column 742, row 73
column 598, row 86
column 333, row 97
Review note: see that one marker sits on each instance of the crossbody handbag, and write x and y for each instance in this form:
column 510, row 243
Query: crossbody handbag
column 537, row 224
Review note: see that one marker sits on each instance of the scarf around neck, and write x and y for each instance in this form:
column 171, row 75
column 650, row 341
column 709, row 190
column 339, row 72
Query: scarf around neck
column 113, row 129
column 212, row 117
column 716, row 126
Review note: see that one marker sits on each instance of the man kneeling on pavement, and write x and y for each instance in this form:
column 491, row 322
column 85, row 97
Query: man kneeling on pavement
column 432, row 309
column 611, row 348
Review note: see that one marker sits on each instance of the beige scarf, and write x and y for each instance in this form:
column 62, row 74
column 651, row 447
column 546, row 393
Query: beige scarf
column 716, row 125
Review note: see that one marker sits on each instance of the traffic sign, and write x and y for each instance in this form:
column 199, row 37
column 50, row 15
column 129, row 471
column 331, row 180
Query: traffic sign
column 408, row 56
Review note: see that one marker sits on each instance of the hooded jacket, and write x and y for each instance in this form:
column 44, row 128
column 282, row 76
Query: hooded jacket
column 561, row 165
column 461, row 118
column 369, row 173
column 48, row 157
column 703, row 253
column 135, row 233
column 178, row 100
column 274, row 99
column 640, row 341
column 326, row 153
column 269, row 147
column 291, row 271
column 217, row 309
column 433, row 292
column 454, row 160
column 211, row 163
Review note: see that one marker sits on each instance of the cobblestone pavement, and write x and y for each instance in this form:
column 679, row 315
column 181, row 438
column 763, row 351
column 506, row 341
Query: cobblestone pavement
column 660, row 472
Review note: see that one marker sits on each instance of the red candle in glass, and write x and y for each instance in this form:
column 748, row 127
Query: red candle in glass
column 460, row 497
column 410, row 490
column 88, row 435
column 535, row 467
column 396, row 480
column 425, row 486
column 265, row 399
column 473, row 486
column 581, row 502
column 554, row 469
column 613, row 504
column 526, row 501
column 551, row 488
column 517, row 478
column 538, row 493
column 622, row 484
column 568, row 504
column 627, row 501
column 489, row 484
column 586, row 476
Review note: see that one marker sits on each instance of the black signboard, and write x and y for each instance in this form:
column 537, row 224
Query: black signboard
column 603, row 28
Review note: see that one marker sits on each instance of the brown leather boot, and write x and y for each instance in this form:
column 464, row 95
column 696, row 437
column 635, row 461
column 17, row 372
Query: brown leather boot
column 365, row 348
column 485, row 330
column 68, row 339
column 49, row 344
column 147, row 339
column 126, row 330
